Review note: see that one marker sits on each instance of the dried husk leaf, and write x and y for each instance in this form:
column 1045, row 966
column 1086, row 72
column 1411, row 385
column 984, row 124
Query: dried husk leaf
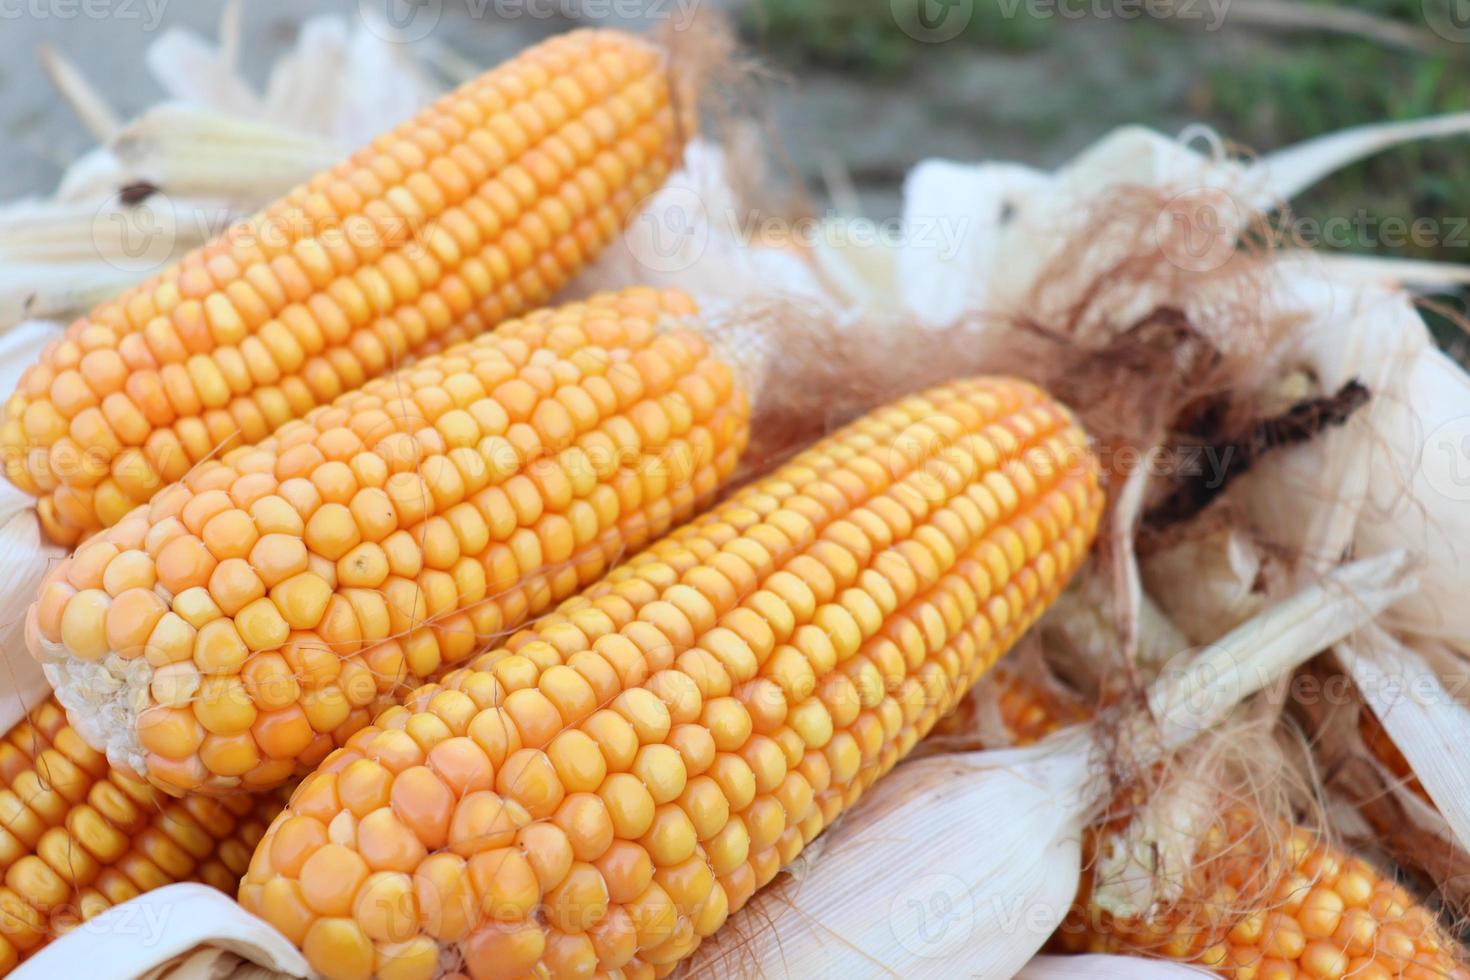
column 191, row 69
column 1425, row 720
column 1370, row 804
column 1099, row 967
column 1285, row 173
column 134, row 938
column 1082, row 639
column 1207, row 585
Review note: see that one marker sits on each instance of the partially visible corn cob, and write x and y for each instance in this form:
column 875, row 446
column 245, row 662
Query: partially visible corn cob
column 478, row 209
column 1377, row 740
column 1026, row 711
column 1325, row 914
column 242, row 625
column 600, row 793
column 77, row 837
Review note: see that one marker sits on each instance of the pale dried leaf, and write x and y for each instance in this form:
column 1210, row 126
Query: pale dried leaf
column 1427, row 723
column 1285, row 173
column 88, row 104
column 199, row 151
column 192, row 70
column 1099, row 967
column 1207, row 584
column 154, row 928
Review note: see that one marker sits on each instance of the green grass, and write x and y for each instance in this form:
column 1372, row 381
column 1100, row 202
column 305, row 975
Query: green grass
column 864, row 35
column 1260, row 88
column 1265, row 90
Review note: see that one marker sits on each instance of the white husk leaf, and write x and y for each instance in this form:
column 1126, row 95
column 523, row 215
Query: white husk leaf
column 56, row 290
column 129, row 940
column 1421, row 496
column 1427, row 723
column 1027, row 806
column 190, row 69
column 1206, row 585
column 953, row 216
column 1084, row 641
column 1286, row 173
column 1099, row 967
column 1307, row 500
column 1419, row 274
column 981, row 910
column 25, row 557
column 85, row 101
column 196, row 151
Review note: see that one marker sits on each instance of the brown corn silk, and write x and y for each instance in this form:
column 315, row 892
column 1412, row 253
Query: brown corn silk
column 1258, row 906
column 78, row 837
column 249, row 619
column 598, row 794
column 478, row 209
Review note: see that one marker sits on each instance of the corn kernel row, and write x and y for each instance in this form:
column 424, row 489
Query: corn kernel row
column 1307, row 910
column 480, row 208
column 251, row 616
column 77, row 837
column 596, row 796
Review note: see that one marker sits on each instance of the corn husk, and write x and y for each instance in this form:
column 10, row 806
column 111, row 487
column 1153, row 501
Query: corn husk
column 1028, row 806
column 145, row 933
column 1106, row 968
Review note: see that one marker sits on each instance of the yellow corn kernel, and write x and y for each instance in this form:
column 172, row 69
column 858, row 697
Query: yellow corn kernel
column 481, row 207
column 1347, row 919
column 281, row 654
column 644, row 786
column 87, row 836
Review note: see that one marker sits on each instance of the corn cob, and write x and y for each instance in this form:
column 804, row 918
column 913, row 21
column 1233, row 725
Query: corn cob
column 1325, row 914
column 244, row 623
column 77, row 837
column 601, row 792
column 478, row 209
column 1377, row 740
column 1025, row 710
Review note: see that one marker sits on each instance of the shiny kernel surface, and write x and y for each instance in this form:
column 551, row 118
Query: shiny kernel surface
column 651, row 753
column 365, row 580
column 476, row 210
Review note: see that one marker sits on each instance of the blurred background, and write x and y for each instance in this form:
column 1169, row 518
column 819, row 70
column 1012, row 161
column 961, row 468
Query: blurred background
column 863, row 88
